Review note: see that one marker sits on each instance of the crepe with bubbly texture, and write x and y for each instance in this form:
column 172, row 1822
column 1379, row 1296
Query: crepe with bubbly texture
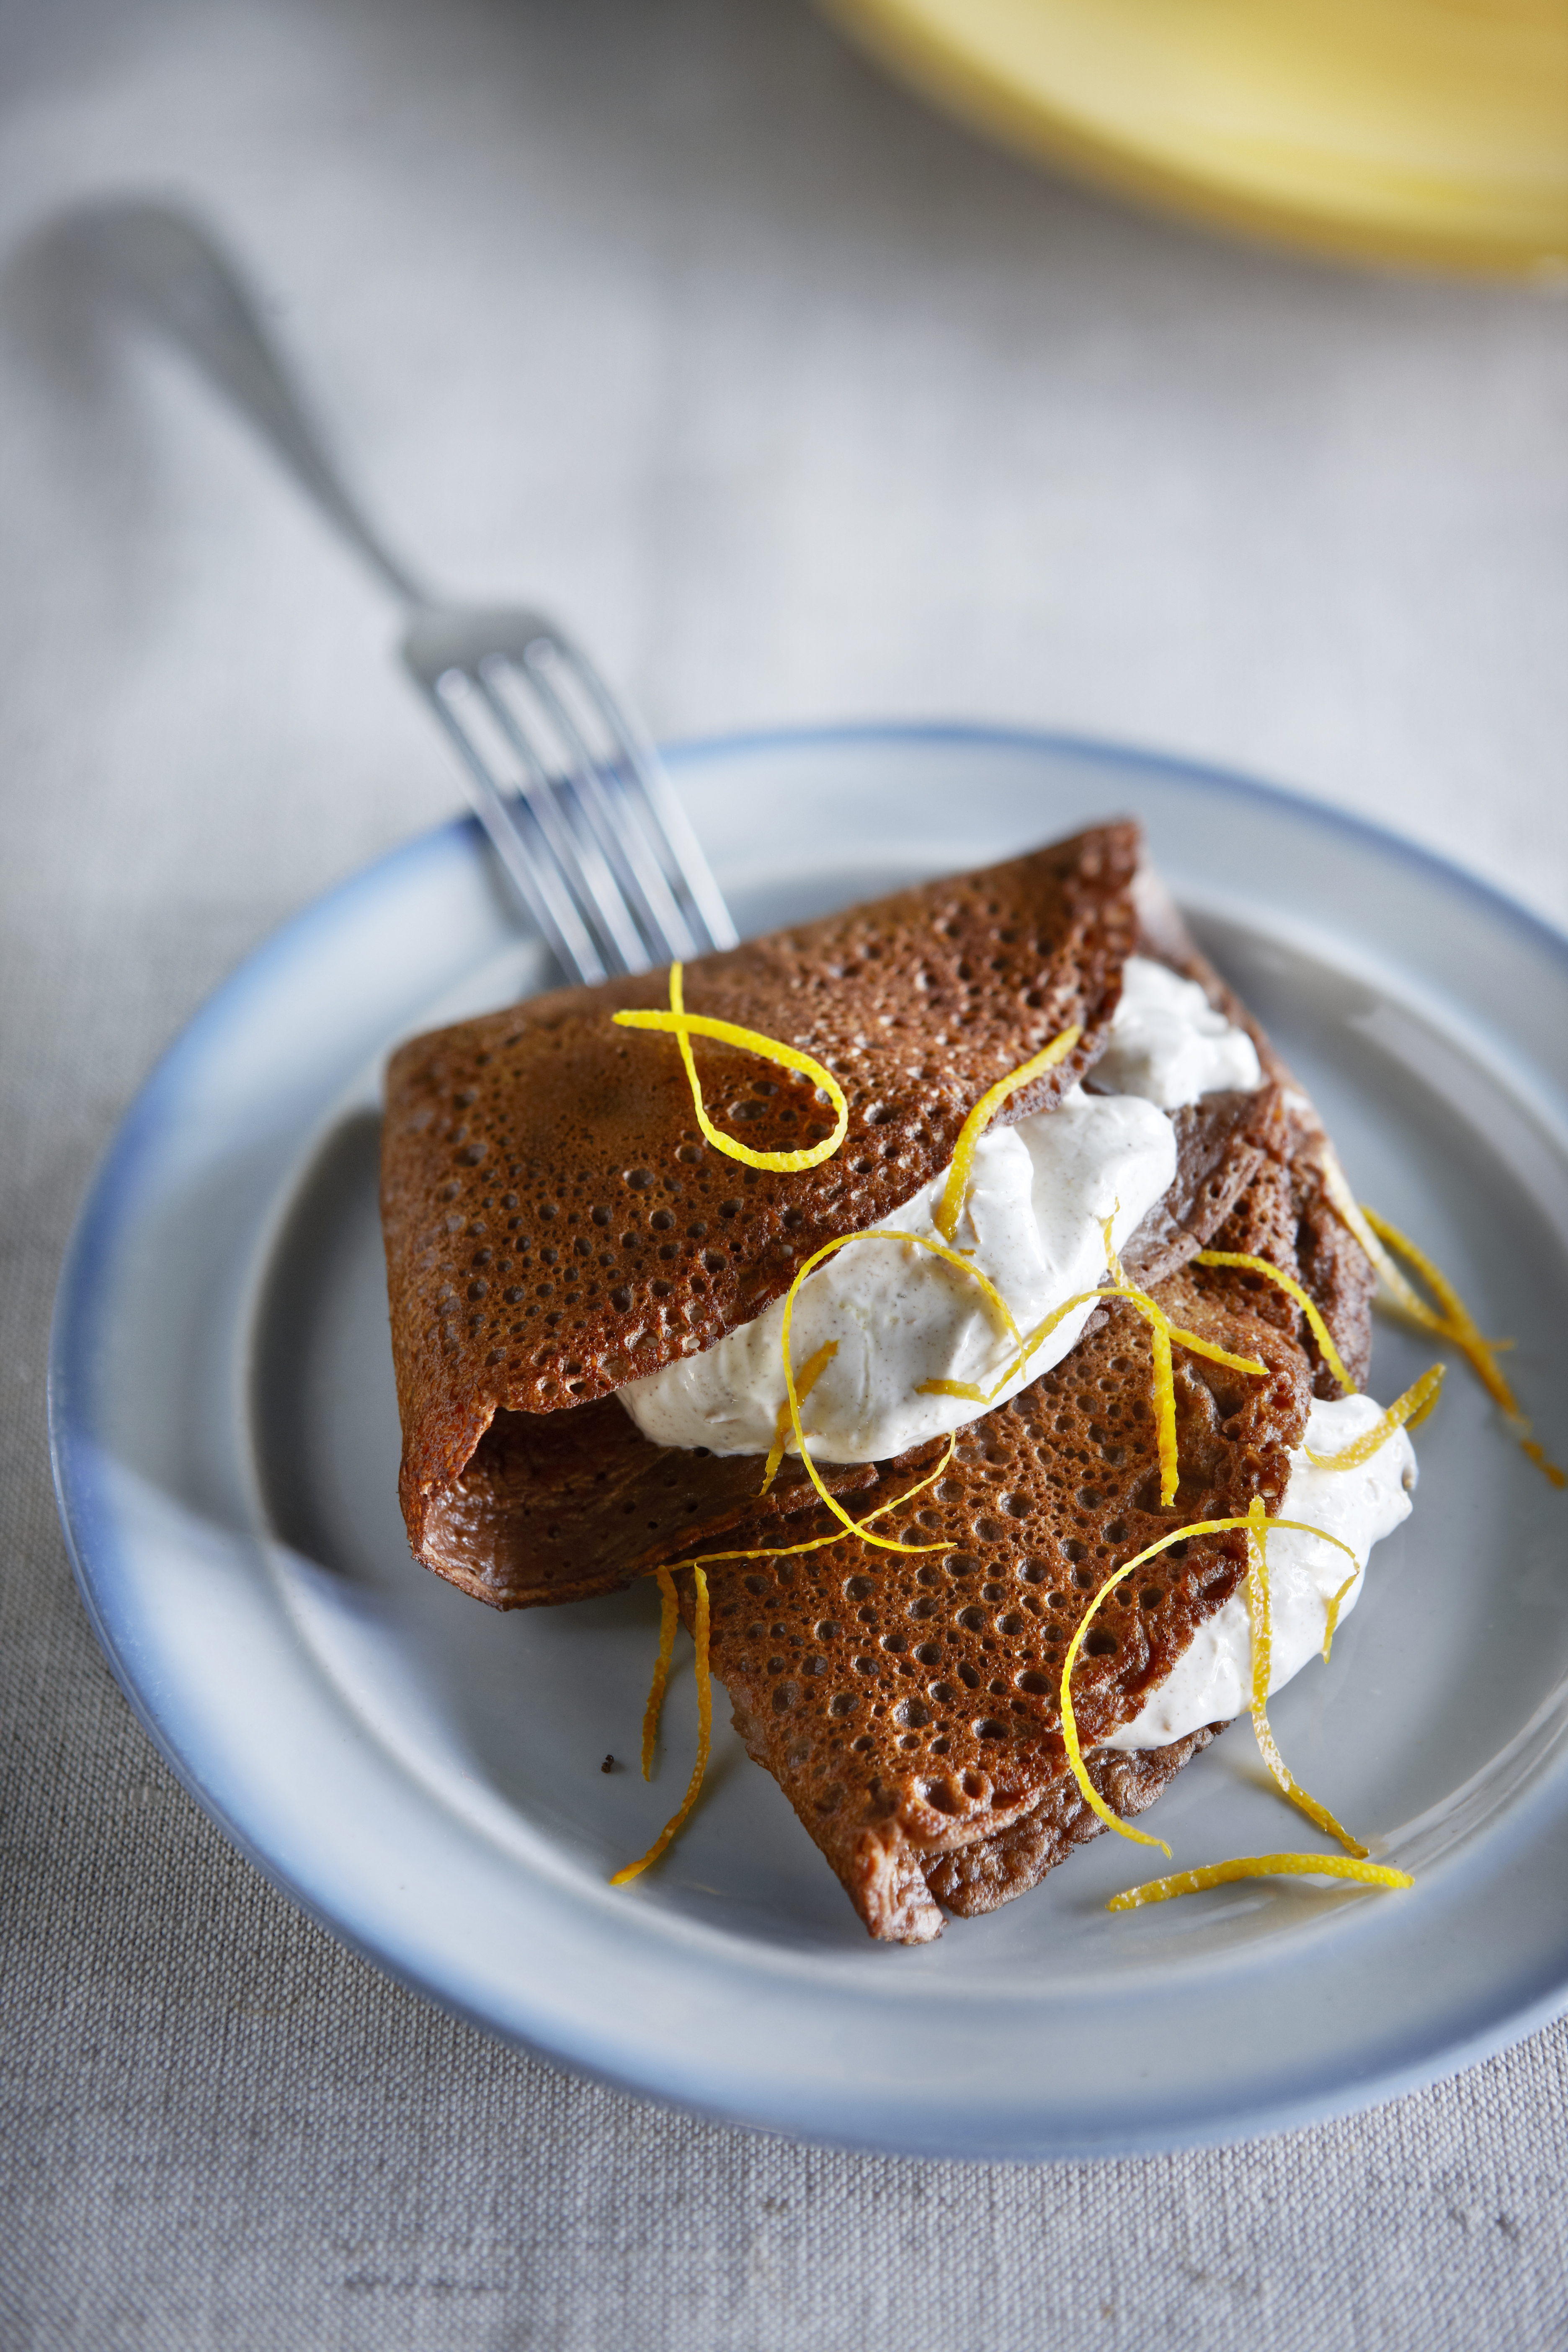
column 556, row 1226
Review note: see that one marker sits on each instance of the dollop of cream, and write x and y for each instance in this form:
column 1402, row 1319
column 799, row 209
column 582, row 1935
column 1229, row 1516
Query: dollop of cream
column 901, row 1316
column 1212, row 1680
column 1169, row 1044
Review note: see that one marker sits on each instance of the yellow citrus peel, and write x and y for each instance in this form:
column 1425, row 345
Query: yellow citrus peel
column 1259, row 1865
column 704, row 1733
column 1257, row 1610
column 1070, row 1721
column 1161, row 1327
column 949, row 1208
column 995, row 1301
column 1163, row 1331
column 1452, row 1319
column 669, row 1612
column 704, row 1683
column 1288, row 1282
column 1407, row 1412
column 1331, row 1625
column 811, row 1371
column 683, row 1026
column 815, row 1543
column 1337, row 1186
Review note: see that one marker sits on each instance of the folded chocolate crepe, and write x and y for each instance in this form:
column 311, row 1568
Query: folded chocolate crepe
column 908, row 1705
column 556, row 1226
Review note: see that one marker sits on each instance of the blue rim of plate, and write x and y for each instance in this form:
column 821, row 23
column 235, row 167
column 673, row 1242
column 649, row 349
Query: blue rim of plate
column 89, row 1533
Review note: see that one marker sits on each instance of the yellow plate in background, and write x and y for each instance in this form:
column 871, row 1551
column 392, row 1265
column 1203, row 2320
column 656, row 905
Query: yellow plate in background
column 1432, row 131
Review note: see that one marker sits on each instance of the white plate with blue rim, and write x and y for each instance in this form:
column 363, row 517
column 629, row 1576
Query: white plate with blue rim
column 424, row 1777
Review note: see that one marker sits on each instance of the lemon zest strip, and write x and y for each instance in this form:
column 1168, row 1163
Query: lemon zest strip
column 704, row 1679
column 1537, row 1453
column 877, row 1233
column 668, row 1614
column 704, row 1737
column 1337, row 1186
column 1257, row 1610
column 1287, row 1282
column 683, row 1026
column 1161, row 1332
column 1407, row 1411
column 1259, row 1865
column 1331, row 1625
column 1070, row 1721
column 810, row 1373
column 815, row 1543
column 1153, row 1314
column 949, row 1208
column 1456, row 1323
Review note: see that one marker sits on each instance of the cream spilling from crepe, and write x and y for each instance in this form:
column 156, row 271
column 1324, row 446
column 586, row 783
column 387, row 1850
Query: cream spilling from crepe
column 1212, row 1679
column 900, row 1315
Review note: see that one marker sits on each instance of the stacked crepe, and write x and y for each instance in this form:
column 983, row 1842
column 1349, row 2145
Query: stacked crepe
column 560, row 1238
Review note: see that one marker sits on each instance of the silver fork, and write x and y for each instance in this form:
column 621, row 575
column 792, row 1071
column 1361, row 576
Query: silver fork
column 564, row 781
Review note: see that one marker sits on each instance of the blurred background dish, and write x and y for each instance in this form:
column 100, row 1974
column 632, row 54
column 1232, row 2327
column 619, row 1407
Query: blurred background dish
column 1426, row 131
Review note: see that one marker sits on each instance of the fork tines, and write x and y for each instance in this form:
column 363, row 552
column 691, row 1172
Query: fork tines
column 574, row 797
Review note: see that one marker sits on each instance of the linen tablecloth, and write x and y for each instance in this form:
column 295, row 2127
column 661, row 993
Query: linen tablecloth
column 800, row 405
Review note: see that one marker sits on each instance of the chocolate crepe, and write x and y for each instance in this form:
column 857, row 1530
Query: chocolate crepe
column 908, row 1705
column 559, row 1506
column 555, row 1225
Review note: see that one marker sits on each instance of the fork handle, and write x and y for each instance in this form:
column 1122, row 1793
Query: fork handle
column 161, row 266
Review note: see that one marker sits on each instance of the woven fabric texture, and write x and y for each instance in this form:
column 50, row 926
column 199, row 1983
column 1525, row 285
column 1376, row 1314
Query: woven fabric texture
column 842, row 413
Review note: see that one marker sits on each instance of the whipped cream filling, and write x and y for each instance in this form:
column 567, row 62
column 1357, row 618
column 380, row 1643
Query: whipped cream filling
column 899, row 1315
column 1212, row 1680
column 1169, row 1044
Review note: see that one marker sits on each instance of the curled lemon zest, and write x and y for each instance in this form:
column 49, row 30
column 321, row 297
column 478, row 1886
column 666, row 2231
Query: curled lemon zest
column 973, row 1395
column 683, row 1026
column 1407, row 1411
column 949, row 1208
column 1332, row 1624
column 1337, row 1186
column 1259, row 1865
column 1159, row 1322
column 1456, row 1322
column 1288, row 1282
column 700, row 1634
column 704, row 1737
column 877, row 1233
column 1259, row 1611
column 811, row 1371
column 669, row 1612
column 815, row 1543
column 1070, row 1721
